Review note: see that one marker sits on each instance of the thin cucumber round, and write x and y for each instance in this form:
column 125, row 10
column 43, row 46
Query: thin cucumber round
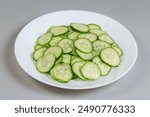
column 104, row 68
column 110, row 57
column 97, row 32
column 57, row 51
column 38, row 53
column 83, row 45
column 55, row 41
column 37, row 46
column 73, row 35
column 90, row 71
column 94, row 26
column 62, row 73
column 79, row 27
column 45, row 63
column 75, row 60
column 90, row 36
column 76, row 67
column 44, row 39
column 59, row 30
column 106, row 38
column 99, row 45
column 85, row 56
column 119, row 50
column 67, row 45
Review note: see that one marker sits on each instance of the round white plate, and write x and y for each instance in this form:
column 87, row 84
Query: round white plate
column 24, row 46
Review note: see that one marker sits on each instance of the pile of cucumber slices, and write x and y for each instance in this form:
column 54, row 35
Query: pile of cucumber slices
column 81, row 51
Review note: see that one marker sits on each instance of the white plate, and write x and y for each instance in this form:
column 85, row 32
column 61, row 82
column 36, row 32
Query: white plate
column 24, row 46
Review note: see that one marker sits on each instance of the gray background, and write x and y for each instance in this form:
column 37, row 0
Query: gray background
column 16, row 84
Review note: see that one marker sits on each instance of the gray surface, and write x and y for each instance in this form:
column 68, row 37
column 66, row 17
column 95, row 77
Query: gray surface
column 15, row 84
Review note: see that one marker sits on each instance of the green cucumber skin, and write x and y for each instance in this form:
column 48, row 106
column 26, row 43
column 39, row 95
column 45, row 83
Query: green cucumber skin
column 78, row 30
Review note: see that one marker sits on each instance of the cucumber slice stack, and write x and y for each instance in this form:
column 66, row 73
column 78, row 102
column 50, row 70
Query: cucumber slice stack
column 82, row 51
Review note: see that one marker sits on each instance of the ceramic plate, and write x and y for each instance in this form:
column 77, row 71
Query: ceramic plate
column 24, row 46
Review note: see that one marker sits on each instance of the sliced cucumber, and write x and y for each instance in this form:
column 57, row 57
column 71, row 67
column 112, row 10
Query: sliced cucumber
column 83, row 45
column 90, row 71
column 94, row 26
column 99, row 45
column 77, row 69
column 104, row 68
column 62, row 73
column 76, row 51
column 38, row 53
column 57, row 51
column 79, row 27
column 90, row 36
column 50, row 29
column 119, row 50
column 59, row 30
column 106, row 38
column 85, row 56
column 97, row 32
column 75, row 60
column 67, row 45
column 73, row 35
column 45, row 62
column 44, row 39
column 37, row 46
column 55, row 41
column 110, row 57
column 66, row 58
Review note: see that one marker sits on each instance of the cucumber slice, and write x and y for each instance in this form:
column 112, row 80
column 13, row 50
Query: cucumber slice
column 106, row 38
column 97, row 32
column 67, row 45
column 57, row 51
column 79, row 27
column 66, row 58
column 85, row 56
column 73, row 35
column 90, row 36
column 45, row 62
column 50, row 29
column 37, row 46
column 83, row 45
column 94, row 26
column 110, row 57
column 75, row 60
column 104, row 68
column 59, row 30
column 62, row 73
column 44, row 39
column 99, row 45
column 52, row 73
column 76, row 67
column 90, row 71
column 38, row 53
column 55, row 41
column 119, row 50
